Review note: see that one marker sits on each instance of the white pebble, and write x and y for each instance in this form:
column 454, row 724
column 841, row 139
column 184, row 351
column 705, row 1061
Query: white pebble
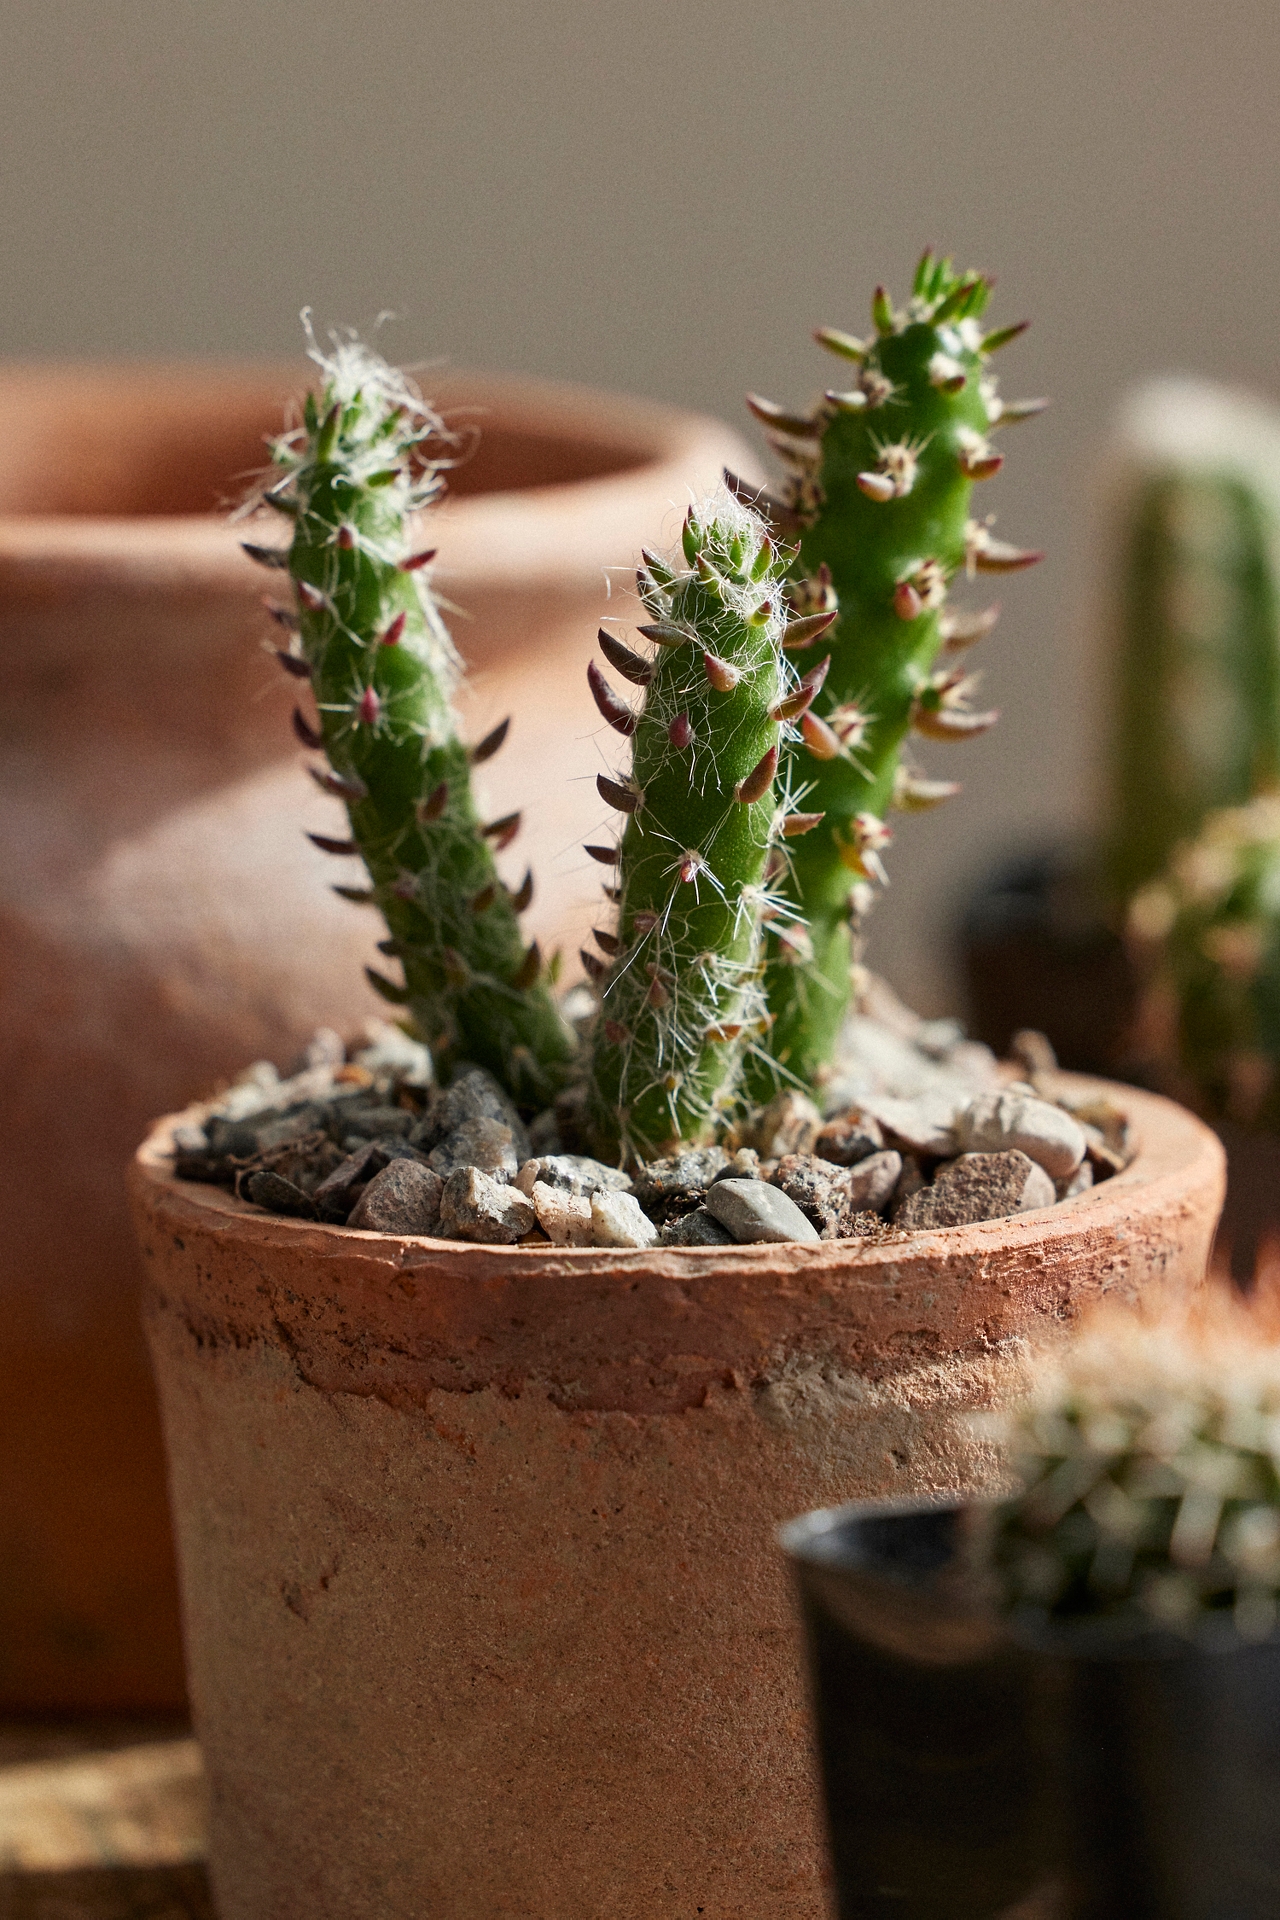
column 1004, row 1122
column 617, row 1221
column 565, row 1218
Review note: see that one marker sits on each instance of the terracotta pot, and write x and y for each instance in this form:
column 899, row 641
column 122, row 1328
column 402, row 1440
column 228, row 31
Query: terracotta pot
column 161, row 917
column 482, row 1602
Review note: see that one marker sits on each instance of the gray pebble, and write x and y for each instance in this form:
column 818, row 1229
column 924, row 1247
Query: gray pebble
column 572, row 1172
column 815, row 1185
column 743, row 1165
column 377, row 1123
column 978, row 1186
column 486, row 1144
column 473, row 1095
column 754, row 1211
column 231, row 1139
column 338, row 1192
column 403, row 1198
column 696, row 1229
column 475, row 1206
column 277, row 1195
column 1018, row 1122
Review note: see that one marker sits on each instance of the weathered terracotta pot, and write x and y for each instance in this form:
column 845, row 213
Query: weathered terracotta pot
column 162, row 919
column 483, row 1607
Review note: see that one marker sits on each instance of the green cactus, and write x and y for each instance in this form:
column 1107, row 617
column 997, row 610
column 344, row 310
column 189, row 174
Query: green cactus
column 879, row 500
column 1213, row 921
column 680, row 993
column 371, row 642
column 1196, row 639
column 1150, row 1463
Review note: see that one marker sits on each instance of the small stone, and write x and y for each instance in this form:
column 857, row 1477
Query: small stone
column 697, row 1229
column 278, row 1195
column 978, row 1186
column 789, row 1124
column 564, row 1217
column 231, row 1139
column 755, row 1211
column 486, row 1144
column 291, row 1125
column 475, row 1206
column 618, row 1221
column 1102, row 1157
column 924, row 1125
column 190, row 1139
column 403, row 1198
column 338, row 1192
column 1018, row 1122
column 389, row 1050
column 742, row 1165
column 871, row 1185
column 910, row 1181
column 678, row 1183
column 849, row 1137
column 573, row 1172
column 325, row 1048
column 815, row 1185
column 473, row 1095
column 1079, row 1182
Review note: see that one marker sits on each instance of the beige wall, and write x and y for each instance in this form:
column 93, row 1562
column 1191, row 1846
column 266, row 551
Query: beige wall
column 666, row 198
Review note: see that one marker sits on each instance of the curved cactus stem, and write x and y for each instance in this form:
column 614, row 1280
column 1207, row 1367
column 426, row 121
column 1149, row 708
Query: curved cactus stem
column 382, row 669
column 680, row 992
column 880, row 481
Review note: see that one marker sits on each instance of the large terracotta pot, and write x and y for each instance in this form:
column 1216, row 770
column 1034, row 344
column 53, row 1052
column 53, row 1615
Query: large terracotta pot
column 162, row 918
column 483, row 1607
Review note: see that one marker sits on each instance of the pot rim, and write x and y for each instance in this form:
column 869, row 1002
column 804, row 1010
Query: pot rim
column 1173, row 1148
column 660, row 445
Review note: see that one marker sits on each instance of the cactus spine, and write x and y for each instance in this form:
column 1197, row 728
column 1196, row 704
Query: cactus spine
column 1214, row 921
column 1150, row 1458
column 680, row 992
column 1196, row 721
column 370, row 639
column 879, row 497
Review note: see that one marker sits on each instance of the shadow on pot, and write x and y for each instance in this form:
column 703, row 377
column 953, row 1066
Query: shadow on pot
column 977, row 1770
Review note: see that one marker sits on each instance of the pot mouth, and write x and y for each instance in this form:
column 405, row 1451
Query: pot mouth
column 98, row 443
column 1172, row 1145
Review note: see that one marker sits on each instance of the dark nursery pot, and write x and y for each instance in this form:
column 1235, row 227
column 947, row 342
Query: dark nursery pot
column 980, row 1769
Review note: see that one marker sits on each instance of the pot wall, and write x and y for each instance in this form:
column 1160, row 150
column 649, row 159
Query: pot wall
column 162, row 918
column 482, row 1601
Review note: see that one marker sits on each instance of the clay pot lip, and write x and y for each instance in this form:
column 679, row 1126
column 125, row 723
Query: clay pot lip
column 654, row 441
column 1176, row 1151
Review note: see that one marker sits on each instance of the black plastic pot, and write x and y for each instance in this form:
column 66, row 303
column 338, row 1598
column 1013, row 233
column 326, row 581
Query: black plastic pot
column 978, row 1769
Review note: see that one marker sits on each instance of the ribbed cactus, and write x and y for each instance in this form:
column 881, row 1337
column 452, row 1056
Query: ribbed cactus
column 680, row 992
column 370, row 640
column 1150, row 1461
column 1214, row 922
column 1195, row 706
column 879, row 500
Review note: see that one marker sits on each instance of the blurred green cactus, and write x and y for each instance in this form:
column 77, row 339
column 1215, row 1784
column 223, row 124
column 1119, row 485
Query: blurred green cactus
column 1150, row 1463
column 1195, row 707
column 369, row 639
column 878, row 499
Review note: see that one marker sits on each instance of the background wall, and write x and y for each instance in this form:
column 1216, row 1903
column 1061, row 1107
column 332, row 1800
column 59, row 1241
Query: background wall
column 666, row 198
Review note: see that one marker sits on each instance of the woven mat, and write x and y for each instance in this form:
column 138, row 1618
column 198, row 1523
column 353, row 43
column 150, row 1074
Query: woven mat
column 114, row 1834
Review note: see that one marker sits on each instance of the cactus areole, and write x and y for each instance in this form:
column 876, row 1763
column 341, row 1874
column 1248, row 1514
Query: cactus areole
column 879, row 499
column 381, row 667
column 680, row 997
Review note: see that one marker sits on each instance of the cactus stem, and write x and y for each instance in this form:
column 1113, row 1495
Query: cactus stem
column 418, row 560
column 522, row 899
column 342, row 786
column 992, row 342
column 345, row 537
column 680, row 732
column 846, row 345
column 607, row 856
column 822, row 743
column 801, row 633
column 327, row 845
column 663, row 634
column 593, row 965
column 482, row 901
column 612, row 894
column 607, row 942
column 369, row 709
column 614, row 794
column 782, row 518
column 624, row 661
column 293, row 663
column 616, row 1033
column 275, row 557
column 611, row 706
column 876, row 486
column 311, row 597
column 486, row 748
column 392, row 636
column 662, row 573
column 691, row 864
column 310, row 736
column 530, row 967
column 907, row 603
